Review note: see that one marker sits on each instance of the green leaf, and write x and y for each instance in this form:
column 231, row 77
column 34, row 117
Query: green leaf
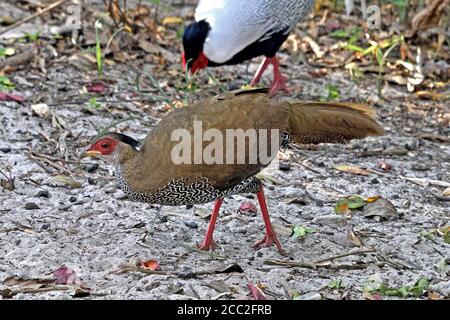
column 374, row 285
column 427, row 234
column 6, row 84
column 352, row 33
column 353, row 47
column 93, row 103
column 420, row 287
column 295, row 295
column 336, row 284
column 379, row 56
column 300, row 231
column 6, row 52
column 445, row 231
column 333, row 92
column 32, row 36
column 98, row 48
column 352, row 202
column 370, row 49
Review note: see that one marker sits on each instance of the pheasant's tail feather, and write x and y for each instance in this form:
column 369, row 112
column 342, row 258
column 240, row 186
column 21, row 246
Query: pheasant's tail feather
column 330, row 122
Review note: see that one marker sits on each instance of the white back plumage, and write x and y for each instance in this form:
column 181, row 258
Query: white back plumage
column 237, row 23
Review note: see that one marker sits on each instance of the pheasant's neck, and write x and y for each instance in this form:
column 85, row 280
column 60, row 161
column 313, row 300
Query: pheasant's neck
column 128, row 164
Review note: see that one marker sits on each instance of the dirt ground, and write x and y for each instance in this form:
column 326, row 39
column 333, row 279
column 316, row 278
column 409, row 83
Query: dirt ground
column 89, row 226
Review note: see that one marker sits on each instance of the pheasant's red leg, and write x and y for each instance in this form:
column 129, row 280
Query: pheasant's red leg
column 208, row 242
column 270, row 237
column 260, row 71
column 279, row 81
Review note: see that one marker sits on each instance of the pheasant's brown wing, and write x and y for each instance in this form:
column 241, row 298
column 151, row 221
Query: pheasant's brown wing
column 236, row 110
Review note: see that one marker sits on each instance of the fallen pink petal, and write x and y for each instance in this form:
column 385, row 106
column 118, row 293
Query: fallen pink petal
column 256, row 293
column 11, row 97
column 248, row 207
column 96, row 87
column 65, row 275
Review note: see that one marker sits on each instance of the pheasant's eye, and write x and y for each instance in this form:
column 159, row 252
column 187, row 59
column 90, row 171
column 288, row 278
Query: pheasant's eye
column 105, row 145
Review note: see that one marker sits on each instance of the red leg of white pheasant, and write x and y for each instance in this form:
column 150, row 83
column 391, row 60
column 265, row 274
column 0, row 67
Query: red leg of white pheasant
column 208, row 242
column 279, row 81
column 270, row 237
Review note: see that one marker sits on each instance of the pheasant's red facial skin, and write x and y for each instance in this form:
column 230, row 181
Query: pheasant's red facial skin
column 105, row 146
column 200, row 63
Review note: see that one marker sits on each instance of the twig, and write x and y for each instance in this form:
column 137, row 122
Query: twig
column 301, row 164
column 425, row 182
column 9, row 293
column 319, row 263
column 191, row 248
column 37, row 14
column 390, row 152
column 306, row 265
column 419, row 181
column 136, row 268
column 351, row 253
column 54, row 165
column 81, row 102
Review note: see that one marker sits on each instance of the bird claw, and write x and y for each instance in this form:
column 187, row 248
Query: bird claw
column 268, row 241
column 279, row 84
column 208, row 245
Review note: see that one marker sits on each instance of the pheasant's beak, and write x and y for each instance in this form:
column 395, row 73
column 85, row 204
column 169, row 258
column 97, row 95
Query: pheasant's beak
column 90, row 153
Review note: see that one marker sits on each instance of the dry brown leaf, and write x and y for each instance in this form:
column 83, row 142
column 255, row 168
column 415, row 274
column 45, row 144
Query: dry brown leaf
column 65, row 181
column 351, row 236
column 352, row 169
column 150, row 264
column 172, row 20
column 446, row 192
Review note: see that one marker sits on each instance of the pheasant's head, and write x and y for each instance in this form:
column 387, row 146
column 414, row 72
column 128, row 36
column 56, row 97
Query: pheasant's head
column 194, row 38
column 111, row 147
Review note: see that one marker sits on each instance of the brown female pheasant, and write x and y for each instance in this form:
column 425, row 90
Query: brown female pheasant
column 151, row 172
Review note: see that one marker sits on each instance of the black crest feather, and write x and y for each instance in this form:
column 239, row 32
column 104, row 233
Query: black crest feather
column 125, row 139
column 194, row 37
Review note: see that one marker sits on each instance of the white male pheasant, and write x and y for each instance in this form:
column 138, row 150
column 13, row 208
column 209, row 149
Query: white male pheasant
column 228, row 32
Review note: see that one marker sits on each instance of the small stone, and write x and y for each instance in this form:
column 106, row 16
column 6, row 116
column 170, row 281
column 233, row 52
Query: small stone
column 319, row 203
column 310, row 296
column 381, row 208
column 45, row 226
column 284, row 166
column 31, row 206
column 91, row 167
column 5, row 149
column 191, row 224
column 374, row 181
column 91, row 181
column 320, row 164
column 233, row 85
column 185, row 273
column 73, row 199
column 43, row 194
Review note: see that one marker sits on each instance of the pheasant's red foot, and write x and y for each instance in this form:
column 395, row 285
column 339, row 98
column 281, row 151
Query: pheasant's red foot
column 208, row 245
column 269, row 240
column 279, row 83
